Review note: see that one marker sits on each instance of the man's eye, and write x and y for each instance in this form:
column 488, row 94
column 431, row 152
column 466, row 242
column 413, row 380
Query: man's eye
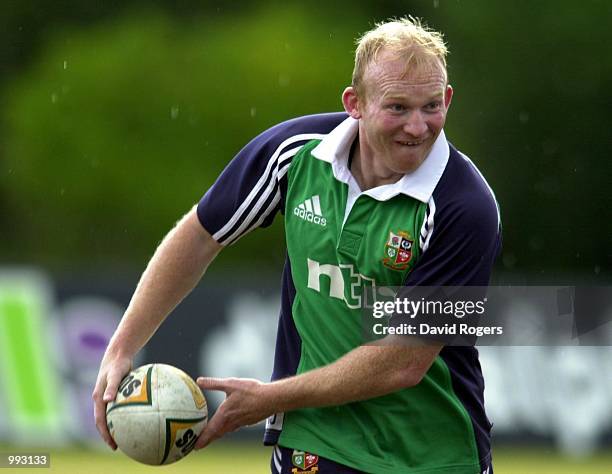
column 397, row 107
column 433, row 106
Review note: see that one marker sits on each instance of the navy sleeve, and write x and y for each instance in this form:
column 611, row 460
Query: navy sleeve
column 462, row 237
column 250, row 191
column 465, row 231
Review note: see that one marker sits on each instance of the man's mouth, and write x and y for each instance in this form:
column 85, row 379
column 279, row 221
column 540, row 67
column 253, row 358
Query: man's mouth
column 411, row 142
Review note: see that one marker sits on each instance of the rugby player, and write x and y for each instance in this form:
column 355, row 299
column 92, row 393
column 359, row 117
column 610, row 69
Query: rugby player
column 375, row 195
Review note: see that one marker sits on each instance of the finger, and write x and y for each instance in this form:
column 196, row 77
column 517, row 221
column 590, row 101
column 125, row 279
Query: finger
column 111, row 387
column 215, row 429
column 205, row 439
column 100, row 419
column 207, row 436
column 212, row 383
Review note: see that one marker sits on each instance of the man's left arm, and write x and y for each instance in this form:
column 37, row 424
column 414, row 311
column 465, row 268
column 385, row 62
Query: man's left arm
column 366, row 372
column 465, row 239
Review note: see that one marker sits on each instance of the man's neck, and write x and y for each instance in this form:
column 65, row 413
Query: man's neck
column 367, row 171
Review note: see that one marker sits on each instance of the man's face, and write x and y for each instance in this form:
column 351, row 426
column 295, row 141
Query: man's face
column 401, row 113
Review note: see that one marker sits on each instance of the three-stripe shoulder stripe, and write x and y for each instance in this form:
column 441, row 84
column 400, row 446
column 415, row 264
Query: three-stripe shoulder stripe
column 255, row 216
column 248, row 215
column 428, row 225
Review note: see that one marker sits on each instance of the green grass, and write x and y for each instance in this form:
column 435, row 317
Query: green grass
column 219, row 458
column 250, row 458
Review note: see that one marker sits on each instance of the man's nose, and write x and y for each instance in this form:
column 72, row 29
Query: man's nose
column 415, row 124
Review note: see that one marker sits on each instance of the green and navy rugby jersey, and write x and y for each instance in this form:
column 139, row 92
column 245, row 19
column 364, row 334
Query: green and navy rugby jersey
column 436, row 226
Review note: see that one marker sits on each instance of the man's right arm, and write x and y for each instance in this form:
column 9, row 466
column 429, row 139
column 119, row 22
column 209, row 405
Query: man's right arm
column 248, row 194
column 174, row 270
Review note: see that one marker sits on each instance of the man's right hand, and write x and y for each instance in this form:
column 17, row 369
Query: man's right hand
column 176, row 267
column 112, row 371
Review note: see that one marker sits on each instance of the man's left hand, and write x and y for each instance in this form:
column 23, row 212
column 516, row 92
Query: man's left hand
column 245, row 404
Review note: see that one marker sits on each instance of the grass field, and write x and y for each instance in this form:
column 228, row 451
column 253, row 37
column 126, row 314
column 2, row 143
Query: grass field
column 247, row 458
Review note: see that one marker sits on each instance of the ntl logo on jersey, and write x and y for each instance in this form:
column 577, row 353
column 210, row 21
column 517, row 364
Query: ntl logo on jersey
column 345, row 283
column 310, row 211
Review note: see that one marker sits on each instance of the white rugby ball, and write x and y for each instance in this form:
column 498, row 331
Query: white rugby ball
column 157, row 415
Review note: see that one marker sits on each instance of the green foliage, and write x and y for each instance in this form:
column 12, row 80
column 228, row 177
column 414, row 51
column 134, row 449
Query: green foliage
column 119, row 129
column 531, row 108
column 116, row 129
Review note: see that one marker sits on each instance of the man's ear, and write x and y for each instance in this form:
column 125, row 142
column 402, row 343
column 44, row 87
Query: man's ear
column 351, row 102
column 448, row 96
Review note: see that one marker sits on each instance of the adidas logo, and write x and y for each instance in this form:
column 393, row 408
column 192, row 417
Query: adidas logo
column 310, row 211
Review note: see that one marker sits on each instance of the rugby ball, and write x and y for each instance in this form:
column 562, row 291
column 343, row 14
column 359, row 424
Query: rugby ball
column 157, row 415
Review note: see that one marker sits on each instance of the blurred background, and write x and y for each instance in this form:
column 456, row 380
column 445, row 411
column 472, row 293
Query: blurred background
column 116, row 117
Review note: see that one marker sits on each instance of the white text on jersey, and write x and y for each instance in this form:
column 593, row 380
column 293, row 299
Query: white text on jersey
column 310, row 211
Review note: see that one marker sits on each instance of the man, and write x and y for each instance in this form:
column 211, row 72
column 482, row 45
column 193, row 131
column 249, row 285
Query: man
column 347, row 183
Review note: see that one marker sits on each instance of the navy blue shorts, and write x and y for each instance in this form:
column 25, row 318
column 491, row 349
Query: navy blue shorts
column 291, row 461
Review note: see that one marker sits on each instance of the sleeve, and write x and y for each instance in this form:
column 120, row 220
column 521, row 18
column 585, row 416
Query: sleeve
column 462, row 242
column 251, row 189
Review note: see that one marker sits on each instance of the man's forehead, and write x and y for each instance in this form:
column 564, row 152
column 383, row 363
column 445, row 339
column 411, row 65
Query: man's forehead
column 428, row 86
column 388, row 67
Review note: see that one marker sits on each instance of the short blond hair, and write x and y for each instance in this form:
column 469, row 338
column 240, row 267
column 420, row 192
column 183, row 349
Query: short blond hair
column 407, row 38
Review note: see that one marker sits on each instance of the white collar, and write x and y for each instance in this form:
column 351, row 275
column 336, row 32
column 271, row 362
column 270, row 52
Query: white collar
column 420, row 184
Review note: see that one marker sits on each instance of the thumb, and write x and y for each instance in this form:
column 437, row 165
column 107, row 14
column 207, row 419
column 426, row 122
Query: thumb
column 111, row 390
column 113, row 380
column 213, row 383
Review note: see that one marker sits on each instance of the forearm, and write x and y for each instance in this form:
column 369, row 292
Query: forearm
column 175, row 268
column 366, row 372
